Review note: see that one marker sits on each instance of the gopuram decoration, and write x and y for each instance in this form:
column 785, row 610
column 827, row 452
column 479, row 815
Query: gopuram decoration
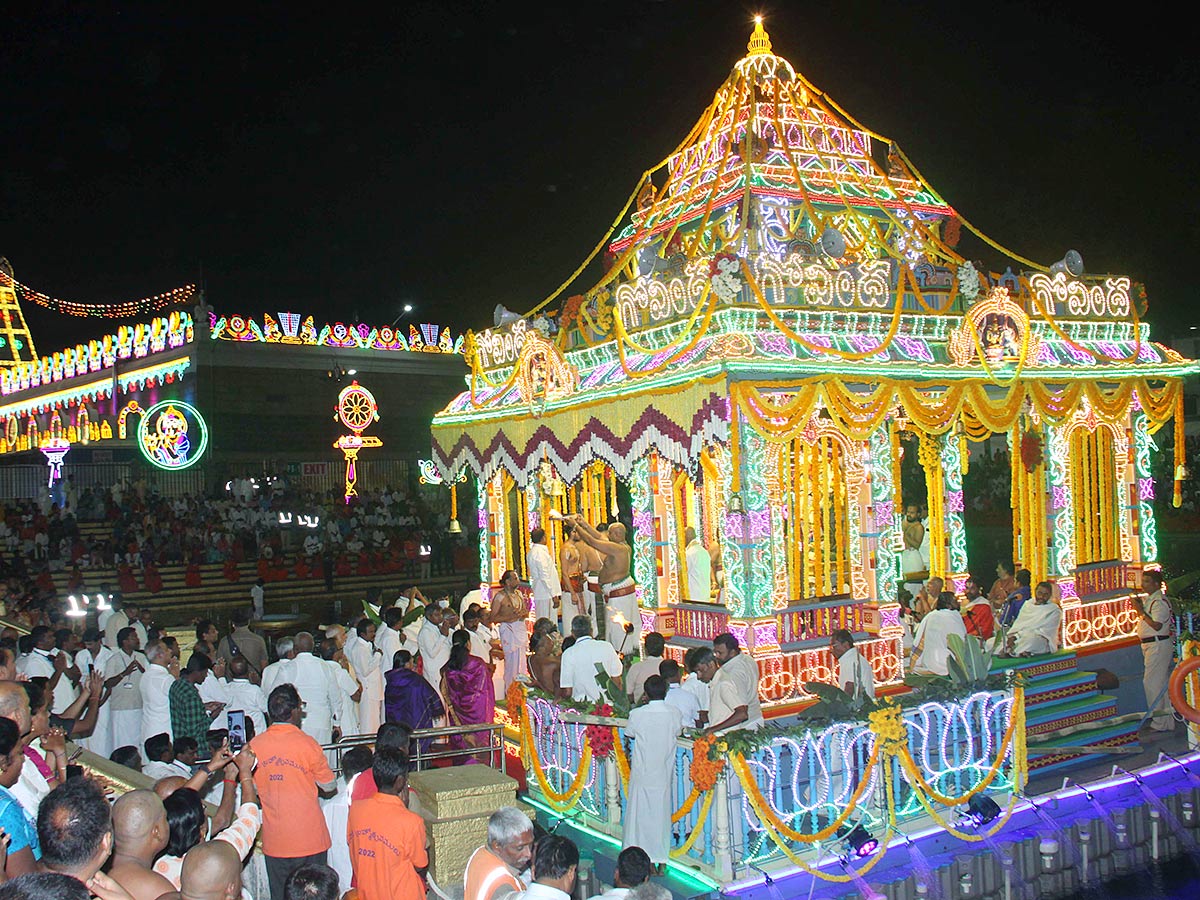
column 356, row 409
column 778, row 315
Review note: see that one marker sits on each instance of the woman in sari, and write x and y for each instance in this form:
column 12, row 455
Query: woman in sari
column 470, row 699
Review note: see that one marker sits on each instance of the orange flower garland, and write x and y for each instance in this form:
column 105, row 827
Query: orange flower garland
column 704, row 771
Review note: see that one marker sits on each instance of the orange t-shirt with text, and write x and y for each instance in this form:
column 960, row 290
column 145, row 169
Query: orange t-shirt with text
column 290, row 766
column 387, row 846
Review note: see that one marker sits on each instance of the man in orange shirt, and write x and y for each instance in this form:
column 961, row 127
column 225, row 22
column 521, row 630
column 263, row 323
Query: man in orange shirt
column 387, row 841
column 291, row 770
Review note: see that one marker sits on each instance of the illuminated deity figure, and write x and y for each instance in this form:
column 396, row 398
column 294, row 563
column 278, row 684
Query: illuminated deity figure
column 169, row 444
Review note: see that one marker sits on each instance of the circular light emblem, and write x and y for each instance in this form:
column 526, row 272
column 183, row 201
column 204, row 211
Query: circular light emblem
column 172, row 434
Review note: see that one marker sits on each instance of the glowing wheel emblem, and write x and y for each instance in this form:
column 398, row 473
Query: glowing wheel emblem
column 357, row 407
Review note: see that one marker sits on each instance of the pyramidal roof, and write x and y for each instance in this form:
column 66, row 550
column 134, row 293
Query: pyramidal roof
column 773, row 152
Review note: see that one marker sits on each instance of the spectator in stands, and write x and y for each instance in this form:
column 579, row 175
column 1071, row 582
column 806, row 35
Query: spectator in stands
column 244, row 642
column 140, row 833
column 313, row 882
column 633, row 868
column 74, row 825
column 291, row 771
column 387, row 840
column 495, row 869
column 190, row 715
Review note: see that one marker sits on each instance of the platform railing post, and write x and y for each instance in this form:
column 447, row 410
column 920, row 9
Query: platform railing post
column 722, row 844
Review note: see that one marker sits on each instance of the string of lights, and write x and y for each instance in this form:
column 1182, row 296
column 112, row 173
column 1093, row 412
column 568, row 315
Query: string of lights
column 119, row 310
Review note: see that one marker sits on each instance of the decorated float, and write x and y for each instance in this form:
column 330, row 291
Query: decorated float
column 785, row 311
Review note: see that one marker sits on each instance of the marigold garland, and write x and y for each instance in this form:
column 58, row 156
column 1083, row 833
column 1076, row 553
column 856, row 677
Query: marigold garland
column 571, row 796
column 703, row 770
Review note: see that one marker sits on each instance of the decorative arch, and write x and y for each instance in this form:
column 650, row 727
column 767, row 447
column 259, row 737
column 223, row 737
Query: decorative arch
column 131, row 407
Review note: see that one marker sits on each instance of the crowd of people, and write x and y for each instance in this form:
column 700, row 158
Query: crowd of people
column 386, row 531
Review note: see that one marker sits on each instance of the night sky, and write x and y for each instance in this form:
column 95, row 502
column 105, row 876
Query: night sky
column 329, row 161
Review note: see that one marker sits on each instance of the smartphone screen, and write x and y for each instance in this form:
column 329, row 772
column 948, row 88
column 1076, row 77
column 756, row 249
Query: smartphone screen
column 237, row 729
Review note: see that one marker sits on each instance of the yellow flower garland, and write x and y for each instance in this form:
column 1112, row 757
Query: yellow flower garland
column 697, row 829
column 569, row 798
column 622, row 759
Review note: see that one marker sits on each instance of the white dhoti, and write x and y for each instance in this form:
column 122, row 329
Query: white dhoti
column 100, row 741
column 593, row 598
column 1156, row 658
column 318, row 723
column 620, row 600
column 370, row 704
column 125, row 730
column 514, row 639
column 647, row 820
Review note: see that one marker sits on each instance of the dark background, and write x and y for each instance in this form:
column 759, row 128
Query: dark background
column 341, row 162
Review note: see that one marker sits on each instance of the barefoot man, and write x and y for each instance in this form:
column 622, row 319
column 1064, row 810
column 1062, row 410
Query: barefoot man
column 590, row 562
column 616, row 584
column 570, row 564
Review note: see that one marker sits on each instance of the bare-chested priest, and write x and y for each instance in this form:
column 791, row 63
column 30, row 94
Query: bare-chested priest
column 616, row 584
column 575, row 601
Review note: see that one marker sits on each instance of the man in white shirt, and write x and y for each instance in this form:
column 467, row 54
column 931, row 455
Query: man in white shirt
column 390, row 637
column 368, row 667
column 578, row 667
column 733, row 696
column 256, row 599
column 93, row 657
column 317, row 688
column 434, row 643
column 245, row 695
column 336, row 810
column 47, row 661
column 280, row 671
column 699, row 568
column 1035, row 630
column 653, row 728
column 349, row 690
column 154, row 687
column 694, row 684
column 684, row 701
column 931, row 647
column 854, row 674
column 1154, row 628
column 644, row 668
column 543, row 578
column 122, row 679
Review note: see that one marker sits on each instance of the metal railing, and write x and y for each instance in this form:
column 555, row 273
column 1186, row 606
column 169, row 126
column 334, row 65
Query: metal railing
column 429, row 744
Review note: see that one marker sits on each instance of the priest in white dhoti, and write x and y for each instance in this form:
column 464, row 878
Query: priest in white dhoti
column 543, row 578
column 699, row 568
column 1035, row 630
column 931, row 647
column 368, row 666
column 653, row 728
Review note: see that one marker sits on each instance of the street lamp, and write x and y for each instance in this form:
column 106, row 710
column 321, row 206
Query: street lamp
column 404, row 311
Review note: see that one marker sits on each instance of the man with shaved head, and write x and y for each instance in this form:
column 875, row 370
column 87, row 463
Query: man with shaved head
column 211, row 871
column 140, row 833
column 155, row 688
column 245, row 695
column 617, row 585
column 318, row 689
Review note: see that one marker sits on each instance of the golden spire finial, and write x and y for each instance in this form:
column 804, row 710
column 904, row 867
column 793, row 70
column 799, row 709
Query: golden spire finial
column 760, row 41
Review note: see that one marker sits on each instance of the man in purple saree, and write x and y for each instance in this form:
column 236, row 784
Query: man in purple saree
column 470, row 700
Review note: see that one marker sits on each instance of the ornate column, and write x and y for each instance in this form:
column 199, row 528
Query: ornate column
column 1146, row 527
column 887, row 536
